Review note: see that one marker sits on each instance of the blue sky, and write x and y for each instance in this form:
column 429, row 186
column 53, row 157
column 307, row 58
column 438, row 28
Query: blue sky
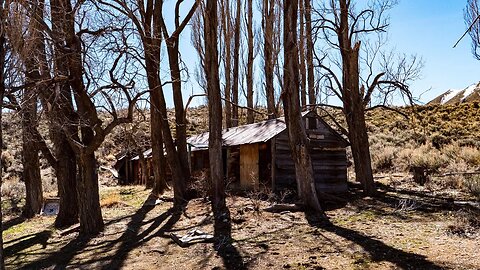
column 426, row 28
column 430, row 29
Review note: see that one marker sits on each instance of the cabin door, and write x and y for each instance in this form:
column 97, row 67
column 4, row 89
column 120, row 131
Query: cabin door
column 249, row 166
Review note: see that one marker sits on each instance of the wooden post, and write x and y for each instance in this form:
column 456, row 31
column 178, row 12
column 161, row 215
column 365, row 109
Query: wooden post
column 249, row 166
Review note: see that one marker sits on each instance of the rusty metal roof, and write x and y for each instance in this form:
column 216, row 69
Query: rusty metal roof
column 246, row 134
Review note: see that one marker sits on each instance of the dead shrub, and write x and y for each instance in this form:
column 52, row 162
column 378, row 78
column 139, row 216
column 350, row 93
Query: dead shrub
column 428, row 158
column 200, row 185
column 13, row 194
column 472, row 184
column 456, row 180
column 466, row 224
column 110, row 200
column 439, row 140
column 470, row 155
column 383, row 158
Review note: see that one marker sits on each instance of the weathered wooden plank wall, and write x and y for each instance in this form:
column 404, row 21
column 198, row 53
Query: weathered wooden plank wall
column 328, row 157
column 249, row 176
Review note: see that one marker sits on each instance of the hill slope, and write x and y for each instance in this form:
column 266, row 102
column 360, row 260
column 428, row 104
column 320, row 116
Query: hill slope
column 453, row 96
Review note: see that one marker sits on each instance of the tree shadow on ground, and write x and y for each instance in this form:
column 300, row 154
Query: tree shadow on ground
column 389, row 201
column 133, row 236
column 13, row 222
column 429, row 203
column 377, row 250
column 64, row 256
column 26, row 242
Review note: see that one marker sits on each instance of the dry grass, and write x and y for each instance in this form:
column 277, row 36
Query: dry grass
column 110, row 200
column 395, row 231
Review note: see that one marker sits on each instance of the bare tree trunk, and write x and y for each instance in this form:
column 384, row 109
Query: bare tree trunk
column 180, row 117
column 62, row 105
column 250, row 58
column 2, row 93
column 91, row 221
column 30, row 159
column 158, row 158
column 309, row 41
column 160, row 121
column 236, row 63
column 221, row 213
column 354, row 104
column 269, row 63
column 66, row 172
column 28, row 111
column 301, row 49
column 177, row 156
column 227, row 59
column 298, row 140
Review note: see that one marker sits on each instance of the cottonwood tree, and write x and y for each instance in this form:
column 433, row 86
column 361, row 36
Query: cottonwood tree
column 230, row 50
column 94, row 88
column 298, row 141
column 148, row 19
column 236, row 61
column 24, row 39
column 2, row 92
column 351, row 72
column 172, row 43
column 250, row 60
column 301, row 53
column 472, row 19
column 51, row 86
column 57, row 101
column 227, row 33
column 312, row 97
column 271, row 49
column 222, row 225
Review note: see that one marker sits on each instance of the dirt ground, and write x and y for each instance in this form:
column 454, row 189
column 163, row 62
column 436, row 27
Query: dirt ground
column 404, row 227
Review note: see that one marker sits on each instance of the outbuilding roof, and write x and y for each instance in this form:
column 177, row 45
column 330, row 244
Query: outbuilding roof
column 246, row 134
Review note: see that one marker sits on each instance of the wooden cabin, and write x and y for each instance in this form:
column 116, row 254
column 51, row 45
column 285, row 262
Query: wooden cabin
column 130, row 171
column 259, row 154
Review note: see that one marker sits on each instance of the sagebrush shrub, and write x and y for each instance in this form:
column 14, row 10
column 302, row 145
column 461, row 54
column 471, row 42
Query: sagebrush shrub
column 472, row 184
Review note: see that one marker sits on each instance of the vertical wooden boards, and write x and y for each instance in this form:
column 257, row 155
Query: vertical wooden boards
column 249, row 166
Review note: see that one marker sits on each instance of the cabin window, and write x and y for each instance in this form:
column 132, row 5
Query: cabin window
column 311, row 123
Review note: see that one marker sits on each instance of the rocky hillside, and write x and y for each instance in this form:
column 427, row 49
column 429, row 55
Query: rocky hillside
column 454, row 96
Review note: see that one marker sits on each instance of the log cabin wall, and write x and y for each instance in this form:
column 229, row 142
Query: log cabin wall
column 328, row 152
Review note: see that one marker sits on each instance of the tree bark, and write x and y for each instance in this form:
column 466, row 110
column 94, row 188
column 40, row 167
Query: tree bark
column 33, row 68
column 159, row 164
column 236, row 63
column 353, row 103
column 180, row 117
column 309, row 54
column 227, row 60
column 66, row 172
column 91, row 222
column 298, row 140
column 250, row 58
column 60, row 100
column 222, row 225
column 2, row 93
column 268, row 21
column 30, row 159
column 301, row 49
